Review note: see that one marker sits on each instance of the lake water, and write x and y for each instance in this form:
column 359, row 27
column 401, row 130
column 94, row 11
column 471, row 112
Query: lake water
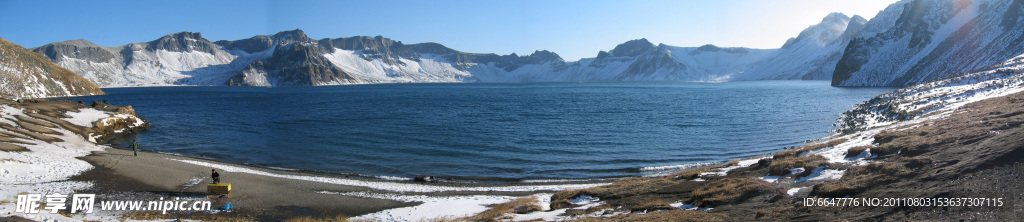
column 496, row 132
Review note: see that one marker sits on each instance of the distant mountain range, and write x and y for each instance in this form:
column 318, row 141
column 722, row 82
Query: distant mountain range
column 24, row 74
column 911, row 41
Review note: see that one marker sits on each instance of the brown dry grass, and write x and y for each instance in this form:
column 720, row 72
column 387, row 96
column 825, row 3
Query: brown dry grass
column 695, row 173
column 782, row 166
column 690, row 174
column 858, row 179
column 733, row 162
column 807, row 148
column 770, row 212
column 598, row 208
column 916, row 162
column 652, row 206
column 673, row 215
column 4, row 146
column 339, row 218
column 731, row 190
column 518, row 206
column 619, row 189
column 856, row 151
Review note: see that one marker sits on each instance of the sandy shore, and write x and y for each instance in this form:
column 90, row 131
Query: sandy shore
column 260, row 193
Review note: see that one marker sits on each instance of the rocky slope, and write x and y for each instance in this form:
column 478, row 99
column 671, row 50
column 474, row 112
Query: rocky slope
column 24, row 74
column 917, row 41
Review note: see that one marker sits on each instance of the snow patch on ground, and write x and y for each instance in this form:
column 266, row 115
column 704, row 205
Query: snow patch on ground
column 793, row 191
column 725, row 170
column 432, row 206
column 86, row 116
column 821, row 174
column 47, row 162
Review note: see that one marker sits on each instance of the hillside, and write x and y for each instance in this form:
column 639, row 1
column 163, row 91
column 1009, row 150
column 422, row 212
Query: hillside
column 24, row 74
column 911, row 42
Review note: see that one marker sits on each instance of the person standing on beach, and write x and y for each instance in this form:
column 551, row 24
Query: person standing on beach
column 135, row 147
column 216, row 176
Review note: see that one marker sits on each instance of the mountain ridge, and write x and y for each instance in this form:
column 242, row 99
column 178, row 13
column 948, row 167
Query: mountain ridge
column 291, row 58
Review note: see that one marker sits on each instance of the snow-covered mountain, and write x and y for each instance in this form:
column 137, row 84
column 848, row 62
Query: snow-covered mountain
column 636, row 60
column 24, row 74
column 180, row 58
column 813, row 54
column 291, row 58
column 914, row 41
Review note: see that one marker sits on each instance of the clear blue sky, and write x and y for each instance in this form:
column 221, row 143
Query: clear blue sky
column 573, row 29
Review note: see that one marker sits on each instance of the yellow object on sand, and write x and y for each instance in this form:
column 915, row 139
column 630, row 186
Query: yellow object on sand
column 218, row 188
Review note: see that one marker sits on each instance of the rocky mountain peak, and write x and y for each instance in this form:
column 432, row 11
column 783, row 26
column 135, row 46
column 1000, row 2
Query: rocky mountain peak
column 709, row 48
column 835, row 17
column 79, row 43
column 251, row 45
column 632, row 47
column 182, row 42
column 78, row 48
column 545, row 56
column 854, row 27
column 858, row 19
column 290, row 36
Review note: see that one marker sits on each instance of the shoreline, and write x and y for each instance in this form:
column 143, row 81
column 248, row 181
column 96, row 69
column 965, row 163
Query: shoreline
column 253, row 195
column 455, row 180
column 281, row 194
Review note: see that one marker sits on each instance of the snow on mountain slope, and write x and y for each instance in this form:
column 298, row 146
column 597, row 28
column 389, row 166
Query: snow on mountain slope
column 190, row 60
column 812, row 55
column 711, row 63
column 937, row 98
column 918, row 41
column 636, row 60
column 24, row 74
column 429, row 68
column 911, row 41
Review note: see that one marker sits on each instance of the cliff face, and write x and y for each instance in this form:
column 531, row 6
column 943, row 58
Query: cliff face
column 912, row 42
column 24, row 74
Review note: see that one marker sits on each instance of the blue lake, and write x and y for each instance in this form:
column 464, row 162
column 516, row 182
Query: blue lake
column 497, row 132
